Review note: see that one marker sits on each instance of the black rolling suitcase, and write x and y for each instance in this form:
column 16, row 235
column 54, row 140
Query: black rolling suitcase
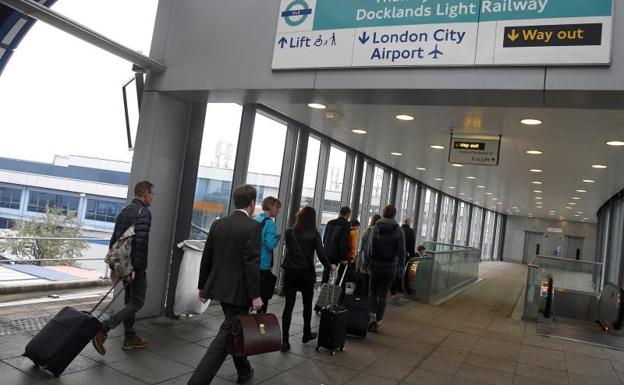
column 64, row 337
column 333, row 328
column 358, row 316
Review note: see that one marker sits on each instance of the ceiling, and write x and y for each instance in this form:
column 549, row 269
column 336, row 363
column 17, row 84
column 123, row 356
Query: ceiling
column 572, row 140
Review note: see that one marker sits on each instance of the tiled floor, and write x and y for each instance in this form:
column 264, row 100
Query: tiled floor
column 470, row 340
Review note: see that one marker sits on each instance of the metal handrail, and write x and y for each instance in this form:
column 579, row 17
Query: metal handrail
column 568, row 260
column 7, row 261
column 53, row 239
column 201, row 229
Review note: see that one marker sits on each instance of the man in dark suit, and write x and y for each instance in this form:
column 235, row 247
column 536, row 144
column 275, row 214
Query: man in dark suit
column 230, row 274
column 410, row 237
column 336, row 242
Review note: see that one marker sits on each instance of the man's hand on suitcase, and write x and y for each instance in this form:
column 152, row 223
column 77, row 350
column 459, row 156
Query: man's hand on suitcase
column 113, row 277
column 201, row 299
column 257, row 303
column 333, row 267
column 131, row 276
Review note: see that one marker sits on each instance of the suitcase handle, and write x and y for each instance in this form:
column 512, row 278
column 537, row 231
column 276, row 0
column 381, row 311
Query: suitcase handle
column 106, row 296
column 344, row 273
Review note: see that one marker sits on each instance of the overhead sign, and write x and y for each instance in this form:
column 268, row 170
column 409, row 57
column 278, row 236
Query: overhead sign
column 554, row 230
column 383, row 33
column 478, row 150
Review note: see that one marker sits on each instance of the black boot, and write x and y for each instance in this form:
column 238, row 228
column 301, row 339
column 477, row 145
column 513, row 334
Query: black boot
column 285, row 345
column 308, row 336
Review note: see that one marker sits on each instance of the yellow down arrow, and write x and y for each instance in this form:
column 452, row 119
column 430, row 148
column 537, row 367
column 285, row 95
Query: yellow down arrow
column 513, row 35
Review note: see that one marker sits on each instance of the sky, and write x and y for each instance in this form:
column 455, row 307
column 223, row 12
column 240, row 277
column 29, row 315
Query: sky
column 62, row 96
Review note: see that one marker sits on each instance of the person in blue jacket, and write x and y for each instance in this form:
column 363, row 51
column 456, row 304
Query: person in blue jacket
column 271, row 207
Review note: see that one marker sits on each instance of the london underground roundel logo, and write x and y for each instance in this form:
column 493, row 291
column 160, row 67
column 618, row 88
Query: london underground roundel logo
column 296, row 13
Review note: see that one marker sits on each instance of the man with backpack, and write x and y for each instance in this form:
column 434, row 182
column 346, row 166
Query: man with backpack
column 136, row 214
column 385, row 260
column 336, row 241
column 270, row 239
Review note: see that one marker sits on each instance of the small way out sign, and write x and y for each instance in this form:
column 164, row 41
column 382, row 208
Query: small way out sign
column 553, row 35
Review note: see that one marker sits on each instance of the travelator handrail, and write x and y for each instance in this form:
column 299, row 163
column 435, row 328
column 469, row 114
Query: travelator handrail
column 566, row 260
column 53, row 239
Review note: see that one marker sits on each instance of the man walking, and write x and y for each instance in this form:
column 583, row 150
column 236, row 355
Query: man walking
column 385, row 260
column 270, row 210
column 230, row 274
column 410, row 237
column 336, row 241
column 136, row 213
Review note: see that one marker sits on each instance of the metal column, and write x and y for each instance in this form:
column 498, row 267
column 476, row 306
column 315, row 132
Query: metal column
column 299, row 173
column 243, row 150
column 469, row 226
column 436, row 228
column 321, row 180
column 383, row 200
column 347, row 180
column 357, row 189
column 368, row 189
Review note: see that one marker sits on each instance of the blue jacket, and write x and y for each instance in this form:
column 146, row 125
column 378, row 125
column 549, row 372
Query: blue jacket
column 269, row 241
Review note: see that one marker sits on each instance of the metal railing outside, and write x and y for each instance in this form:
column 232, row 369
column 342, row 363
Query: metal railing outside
column 102, row 267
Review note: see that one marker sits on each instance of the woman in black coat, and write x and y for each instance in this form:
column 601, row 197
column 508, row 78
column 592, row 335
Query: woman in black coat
column 302, row 241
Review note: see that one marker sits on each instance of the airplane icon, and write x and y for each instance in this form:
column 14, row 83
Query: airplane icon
column 436, row 52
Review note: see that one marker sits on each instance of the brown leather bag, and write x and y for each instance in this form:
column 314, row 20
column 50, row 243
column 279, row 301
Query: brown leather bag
column 254, row 334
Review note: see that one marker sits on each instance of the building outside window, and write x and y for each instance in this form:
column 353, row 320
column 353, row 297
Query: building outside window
column 475, row 227
column 311, row 169
column 447, row 212
column 429, row 212
column 463, row 212
column 10, row 198
column 488, row 235
column 6, row 223
column 375, row 201
column 103, row 210
column 39, row 201
column 497, row 236
column 333, row 185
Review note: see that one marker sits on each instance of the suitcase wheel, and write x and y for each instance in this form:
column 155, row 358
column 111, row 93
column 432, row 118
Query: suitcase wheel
column 332, row 353
column 342, row 348
column 318, row 349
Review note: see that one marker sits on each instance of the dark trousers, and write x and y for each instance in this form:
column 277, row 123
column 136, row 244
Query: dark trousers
column 297, row 280
column 134, row 298
column 217, row 351
column 267, row 286
column 380, row 282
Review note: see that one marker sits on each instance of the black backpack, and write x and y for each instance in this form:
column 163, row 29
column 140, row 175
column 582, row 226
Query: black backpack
column 386, row 245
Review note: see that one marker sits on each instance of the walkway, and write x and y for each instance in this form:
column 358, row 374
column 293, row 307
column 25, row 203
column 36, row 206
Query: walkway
column 470, row 340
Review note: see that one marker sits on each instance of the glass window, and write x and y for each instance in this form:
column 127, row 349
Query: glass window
column 333, row 185
column 38, row 201
column 488, row 235
column 428, row 215
column 103, row 210
column 447, row 216
column 375, row 201
column 216, row 165
column 6, row 223
column 475, row 227
column 266, row 157
column 309, row 175
column 406, row 204
column 10, row 198
column 461, row 230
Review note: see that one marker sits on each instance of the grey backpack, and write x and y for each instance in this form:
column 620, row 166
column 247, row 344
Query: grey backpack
column 118, row 257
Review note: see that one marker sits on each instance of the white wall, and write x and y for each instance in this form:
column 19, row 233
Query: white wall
column 517, row 226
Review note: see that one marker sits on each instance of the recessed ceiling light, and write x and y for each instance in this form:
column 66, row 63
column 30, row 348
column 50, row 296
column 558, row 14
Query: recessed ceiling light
column 588, row 181
column 536, row 182
column 488, row 193
column 439, row 179
column 585, row 219
column 571, row 203
column 471, row 177
column 396, row 154
column 452, row 187
column 458, row 165
column 599, row 166
column 317, row 106
column 534, row 152
column 569, row 208
column 359, row 132
column 480, row 186
column 462, row 193
column 579, row 212
column 536, row 170
column 530, row 215
column 531, row 122
column 537, row 191
column 576, row 198
column 477, row 203
column 494, row 199
column 499, row 203
column 421, row 169
column 405, row 117
column 515, row 208
column 561, row 218
column 576, row 215
column 539, row 198
column 437, row 147
column 615, row 143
